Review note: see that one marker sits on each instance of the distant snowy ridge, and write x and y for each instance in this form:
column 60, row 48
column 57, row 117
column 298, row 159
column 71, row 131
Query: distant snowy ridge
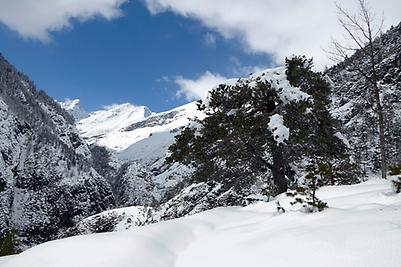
column 138, row 141
column 74, row 108
column 119, row 126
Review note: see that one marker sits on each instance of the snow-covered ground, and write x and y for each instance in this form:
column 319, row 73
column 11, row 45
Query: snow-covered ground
column 5, row 259
column 362, row 227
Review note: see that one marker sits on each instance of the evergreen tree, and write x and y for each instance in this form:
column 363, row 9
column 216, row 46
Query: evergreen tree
column 238, row 141
column 7, row 244
column 305, row 194
column 318, row 134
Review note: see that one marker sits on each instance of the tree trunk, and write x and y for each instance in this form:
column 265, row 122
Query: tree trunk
column 379, row 109
column 359, row 29
column 382, row 141
column 278, row 169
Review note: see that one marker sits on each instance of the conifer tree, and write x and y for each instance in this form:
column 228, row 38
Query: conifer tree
column 234, row 145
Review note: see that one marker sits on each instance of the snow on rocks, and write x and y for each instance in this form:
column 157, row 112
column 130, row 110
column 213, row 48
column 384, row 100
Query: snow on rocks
column 361, row 228
column 112, row 220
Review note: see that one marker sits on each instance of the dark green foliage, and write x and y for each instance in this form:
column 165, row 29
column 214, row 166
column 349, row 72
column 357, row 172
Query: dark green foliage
column 318, row 125
column 234, row 146
column 7, row 244
column 182, row 146
column 229, row 144
column 306, row 194
column 317, row 135
column 395, row 169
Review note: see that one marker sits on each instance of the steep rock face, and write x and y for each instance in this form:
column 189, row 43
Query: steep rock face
column 351, row 101
column 46, row 179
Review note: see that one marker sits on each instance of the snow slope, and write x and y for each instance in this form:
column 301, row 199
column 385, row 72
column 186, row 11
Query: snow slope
column 119, row 126
column 156, row 133
column 106, row 127
column 362, row 227
column 74, row 108
column 138, row 141
column 5, row 259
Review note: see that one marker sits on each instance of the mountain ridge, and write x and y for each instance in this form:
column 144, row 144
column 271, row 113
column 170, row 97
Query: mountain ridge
column 47, row 179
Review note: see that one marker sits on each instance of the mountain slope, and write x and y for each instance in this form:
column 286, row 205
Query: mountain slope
column 107, row 127
column 47, row 182
column 74, row 108
column 361, row 228
column 136, row 142
column 351, row 101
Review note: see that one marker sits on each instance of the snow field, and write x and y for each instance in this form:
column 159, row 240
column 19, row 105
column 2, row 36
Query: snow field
column 361, row 227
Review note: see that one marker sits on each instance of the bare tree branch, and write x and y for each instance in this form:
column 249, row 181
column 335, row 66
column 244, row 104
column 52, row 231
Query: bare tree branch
column 360, row 29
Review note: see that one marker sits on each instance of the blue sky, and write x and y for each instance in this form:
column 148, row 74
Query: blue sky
column 145, row 51
column 134, row 58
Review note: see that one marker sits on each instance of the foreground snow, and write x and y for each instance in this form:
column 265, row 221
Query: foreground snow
column 362, row 227
column 5, row 259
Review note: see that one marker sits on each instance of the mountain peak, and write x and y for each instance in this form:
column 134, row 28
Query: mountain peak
column 106, row 125
column 73, row 106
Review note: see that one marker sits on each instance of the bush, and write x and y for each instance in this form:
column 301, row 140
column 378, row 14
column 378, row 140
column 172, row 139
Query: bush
column 397, row 185
column 306, row 197
column 7, row 244
column 395, row 169
column 306, row 194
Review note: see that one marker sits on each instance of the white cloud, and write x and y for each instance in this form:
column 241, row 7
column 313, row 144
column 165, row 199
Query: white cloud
column 36, row 19
column 198, row 88
column 280, row 28
column 163, row 79
column 210, row 39
column 239, row 69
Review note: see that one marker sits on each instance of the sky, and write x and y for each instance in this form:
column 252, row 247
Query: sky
column 163, row 53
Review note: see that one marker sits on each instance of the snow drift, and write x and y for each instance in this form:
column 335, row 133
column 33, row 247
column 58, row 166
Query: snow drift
column 362, row 227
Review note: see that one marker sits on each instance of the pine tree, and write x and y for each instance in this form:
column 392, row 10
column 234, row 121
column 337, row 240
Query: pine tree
column 305, row 194
column 7, row 244
column 234, row 145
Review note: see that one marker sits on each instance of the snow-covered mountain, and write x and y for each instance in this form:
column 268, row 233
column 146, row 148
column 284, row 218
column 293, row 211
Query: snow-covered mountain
column 351, row 101
column 117, row 127
column 361, row 228
column 52, row 183
column 74, row 108
column 107, row 127
column 137, row 142
column 47, row 182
